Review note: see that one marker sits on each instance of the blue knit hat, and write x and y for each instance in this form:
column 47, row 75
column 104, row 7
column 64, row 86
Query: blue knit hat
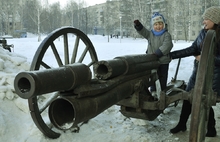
column 157, row 17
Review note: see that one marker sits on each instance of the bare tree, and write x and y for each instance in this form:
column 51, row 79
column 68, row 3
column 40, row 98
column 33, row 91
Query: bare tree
column 34, row 12
column 70, row 12
column 92, row 19
column 54, row 16
column 81, row 14
column 110, row 18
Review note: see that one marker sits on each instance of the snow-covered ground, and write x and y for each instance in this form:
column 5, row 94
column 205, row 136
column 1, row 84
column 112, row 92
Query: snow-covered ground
column 16, row 124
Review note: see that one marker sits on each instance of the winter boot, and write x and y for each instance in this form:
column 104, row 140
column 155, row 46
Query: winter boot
column 185, row 112
column 179, row 127
column 211, row 131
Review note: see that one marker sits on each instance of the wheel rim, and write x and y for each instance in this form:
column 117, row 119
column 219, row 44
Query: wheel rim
column 74, row 46
column 202, row 92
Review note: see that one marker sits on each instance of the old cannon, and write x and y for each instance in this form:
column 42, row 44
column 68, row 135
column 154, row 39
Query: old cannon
column 76, row 87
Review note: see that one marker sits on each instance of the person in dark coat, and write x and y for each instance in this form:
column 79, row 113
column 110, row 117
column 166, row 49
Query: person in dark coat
column 211, row 21
column 159, row 44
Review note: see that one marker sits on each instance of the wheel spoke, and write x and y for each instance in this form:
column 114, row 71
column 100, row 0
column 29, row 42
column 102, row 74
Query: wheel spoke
column 83, row 55
column 45, row 65
column 66, row 49
column 56, row 54
column 48, row 102
column 91, row 63
column 75, row 50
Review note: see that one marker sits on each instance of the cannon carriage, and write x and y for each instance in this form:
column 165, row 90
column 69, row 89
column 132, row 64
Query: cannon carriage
column 76, row 87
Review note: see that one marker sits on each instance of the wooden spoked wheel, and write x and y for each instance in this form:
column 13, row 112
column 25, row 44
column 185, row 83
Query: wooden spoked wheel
column 63, row 46
column 203, row 94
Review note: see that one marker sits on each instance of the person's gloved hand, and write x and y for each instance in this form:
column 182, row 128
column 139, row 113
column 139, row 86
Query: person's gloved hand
column 137, row 25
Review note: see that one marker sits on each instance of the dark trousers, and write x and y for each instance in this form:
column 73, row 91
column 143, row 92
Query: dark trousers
column 162, row 73
column 186, row 107
column 186, row 111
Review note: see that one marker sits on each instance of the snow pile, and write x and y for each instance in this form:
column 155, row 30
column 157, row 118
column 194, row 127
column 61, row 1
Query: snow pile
column 10, row 65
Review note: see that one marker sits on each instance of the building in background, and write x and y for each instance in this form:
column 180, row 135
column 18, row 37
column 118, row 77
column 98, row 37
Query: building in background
column 10, row 16
column 184, row 18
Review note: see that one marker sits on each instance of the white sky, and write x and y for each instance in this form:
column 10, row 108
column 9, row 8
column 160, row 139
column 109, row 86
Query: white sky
column 89, row 2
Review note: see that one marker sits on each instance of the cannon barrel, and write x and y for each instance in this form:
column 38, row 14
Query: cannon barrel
column 66, row 112
column 125, row 65
column 33, row 83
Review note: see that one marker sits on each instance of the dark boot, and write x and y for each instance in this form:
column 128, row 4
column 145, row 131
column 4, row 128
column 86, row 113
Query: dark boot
column 185, row 112
column 211, row 131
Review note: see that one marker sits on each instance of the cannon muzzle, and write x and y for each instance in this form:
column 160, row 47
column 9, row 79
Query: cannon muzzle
column 125, row 65
column 66, row 112
column 33, row 83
